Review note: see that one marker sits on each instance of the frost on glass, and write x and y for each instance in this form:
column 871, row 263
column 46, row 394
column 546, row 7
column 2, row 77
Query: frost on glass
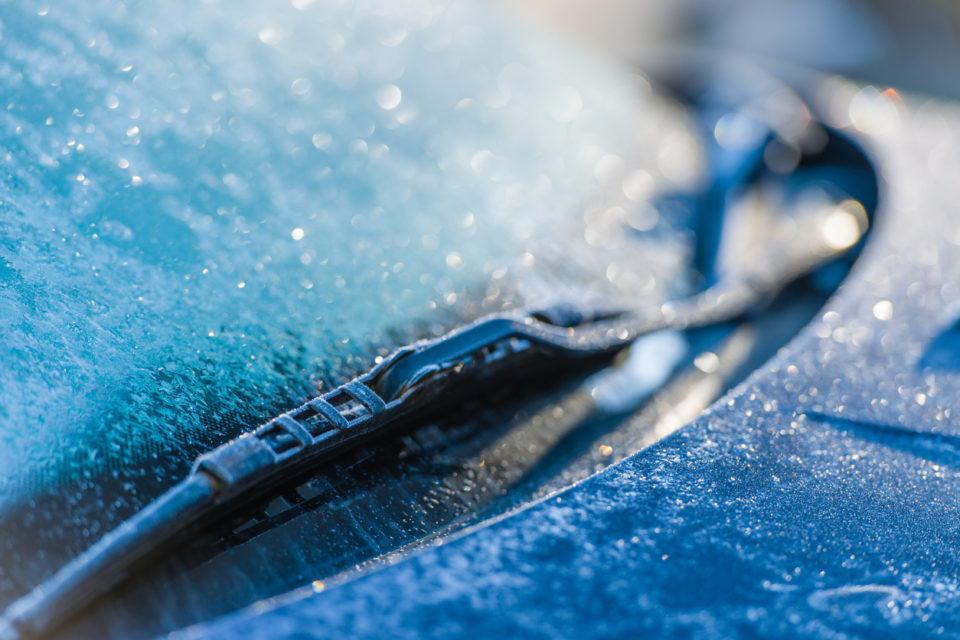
column 211, row 211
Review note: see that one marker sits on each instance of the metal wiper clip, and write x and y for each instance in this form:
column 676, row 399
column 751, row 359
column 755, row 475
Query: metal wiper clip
column 401, row 385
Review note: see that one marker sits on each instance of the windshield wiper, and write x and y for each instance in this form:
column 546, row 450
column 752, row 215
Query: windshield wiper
column 412, row 381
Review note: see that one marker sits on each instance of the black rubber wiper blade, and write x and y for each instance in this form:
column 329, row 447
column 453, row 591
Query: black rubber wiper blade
column 239, row 471
column 396, row 391
column 410, row 382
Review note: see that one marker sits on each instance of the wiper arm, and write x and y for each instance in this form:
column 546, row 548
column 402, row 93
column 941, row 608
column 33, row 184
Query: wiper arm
column 244, row 468
column 403, row 386
column 394, row 391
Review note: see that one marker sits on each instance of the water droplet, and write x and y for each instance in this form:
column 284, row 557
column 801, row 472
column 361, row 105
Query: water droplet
column 389, row 96
column 707, row 362
column 883, row 310
column 269, row 36
column 842, row 228
column 637, row 185
column 454, row 261
column 322, row 140
column 300, row 86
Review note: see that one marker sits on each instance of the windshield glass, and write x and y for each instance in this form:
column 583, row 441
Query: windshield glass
column 211, row 212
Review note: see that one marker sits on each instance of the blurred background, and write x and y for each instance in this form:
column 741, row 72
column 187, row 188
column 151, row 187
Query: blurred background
column 913, row 46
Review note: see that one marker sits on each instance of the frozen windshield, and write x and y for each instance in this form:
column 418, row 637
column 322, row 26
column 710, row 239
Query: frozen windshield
column 211, row 211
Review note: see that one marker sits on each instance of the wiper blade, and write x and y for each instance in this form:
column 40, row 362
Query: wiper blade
column 395, row 391
column 411, row 381
column 233, row 474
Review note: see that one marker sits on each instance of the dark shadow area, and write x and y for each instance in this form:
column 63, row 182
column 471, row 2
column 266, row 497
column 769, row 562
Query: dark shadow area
column 936, row 447
column 943, row 353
